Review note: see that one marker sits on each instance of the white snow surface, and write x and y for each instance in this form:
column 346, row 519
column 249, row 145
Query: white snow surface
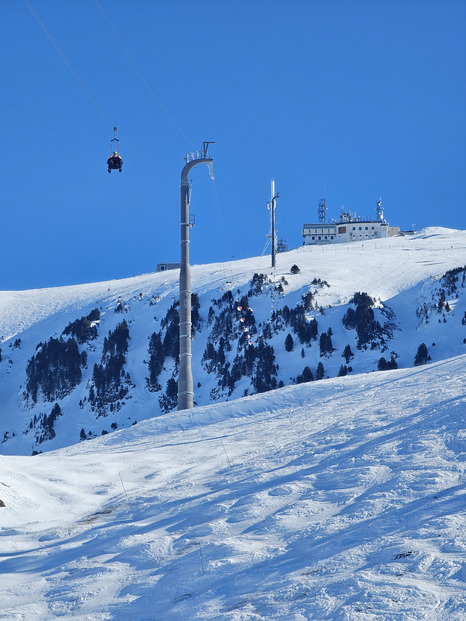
column 340, row 499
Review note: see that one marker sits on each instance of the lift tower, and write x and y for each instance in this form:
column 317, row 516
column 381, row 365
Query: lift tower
column 185, row 377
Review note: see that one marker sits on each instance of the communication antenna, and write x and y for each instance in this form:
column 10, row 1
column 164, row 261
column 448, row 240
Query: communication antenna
column 379, row 210
column 272, row 205
column 322, row 211
column 272, row 233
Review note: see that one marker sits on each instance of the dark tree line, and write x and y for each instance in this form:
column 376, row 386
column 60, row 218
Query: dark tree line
column 325, row 343
column 116, row 343
column 258, row 281
column 451, row 278
column 169, row 399
column 265, row 376
column 166, row 343
column 43, row 425
column 83, row 329
column 55, row 369
column 156, row 361
column 386, row 365
column 308, row 376
column 296, row 318
column 362, row 319
column 109, row 380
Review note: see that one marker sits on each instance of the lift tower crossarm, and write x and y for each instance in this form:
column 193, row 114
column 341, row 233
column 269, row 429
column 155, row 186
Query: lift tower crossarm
column 185, row 378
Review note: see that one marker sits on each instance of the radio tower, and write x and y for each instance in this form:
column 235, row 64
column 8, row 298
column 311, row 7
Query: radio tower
column 273, row 201
column 379, row 210
column 322, row 211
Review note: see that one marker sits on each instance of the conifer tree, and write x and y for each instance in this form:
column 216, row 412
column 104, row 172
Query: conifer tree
column 347, row 354
column 306, row 376
column 382, row 364
column 326, row 345
column 156, row 360
column 320, row 371
column 422, row 355
column 289, row 342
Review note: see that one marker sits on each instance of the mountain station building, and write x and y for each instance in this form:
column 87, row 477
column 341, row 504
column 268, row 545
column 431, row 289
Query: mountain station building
column 349, row 228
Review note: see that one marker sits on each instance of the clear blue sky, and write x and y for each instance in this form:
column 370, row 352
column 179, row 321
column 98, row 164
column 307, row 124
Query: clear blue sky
column 347, row 100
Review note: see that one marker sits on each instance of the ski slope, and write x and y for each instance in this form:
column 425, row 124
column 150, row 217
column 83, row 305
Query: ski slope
column 341, row 499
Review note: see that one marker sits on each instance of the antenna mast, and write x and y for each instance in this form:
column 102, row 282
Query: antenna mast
column 272, row 208
column 322, row 211
column 379, row 211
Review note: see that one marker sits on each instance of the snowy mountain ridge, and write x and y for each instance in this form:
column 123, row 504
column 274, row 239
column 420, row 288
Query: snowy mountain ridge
column 341, row 499
column 84, row 360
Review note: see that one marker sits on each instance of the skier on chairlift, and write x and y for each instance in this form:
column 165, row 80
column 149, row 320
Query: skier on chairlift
column 115, row 161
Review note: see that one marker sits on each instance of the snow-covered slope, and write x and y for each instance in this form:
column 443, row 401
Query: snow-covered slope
column 341, row 499
column 413, row 302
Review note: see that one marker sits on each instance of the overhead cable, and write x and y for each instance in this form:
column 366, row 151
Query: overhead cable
column 141, row 75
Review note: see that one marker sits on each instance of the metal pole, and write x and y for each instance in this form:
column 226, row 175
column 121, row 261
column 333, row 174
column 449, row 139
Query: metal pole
column 185, row 378
column 273, row 222
column 272, row 208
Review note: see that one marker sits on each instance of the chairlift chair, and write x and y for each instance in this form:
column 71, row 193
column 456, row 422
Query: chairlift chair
column 115, row 161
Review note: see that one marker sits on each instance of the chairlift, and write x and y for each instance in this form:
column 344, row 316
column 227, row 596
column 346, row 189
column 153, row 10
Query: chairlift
column 115, row 161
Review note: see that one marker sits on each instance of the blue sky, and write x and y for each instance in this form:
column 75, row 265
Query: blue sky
column 347, row 100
